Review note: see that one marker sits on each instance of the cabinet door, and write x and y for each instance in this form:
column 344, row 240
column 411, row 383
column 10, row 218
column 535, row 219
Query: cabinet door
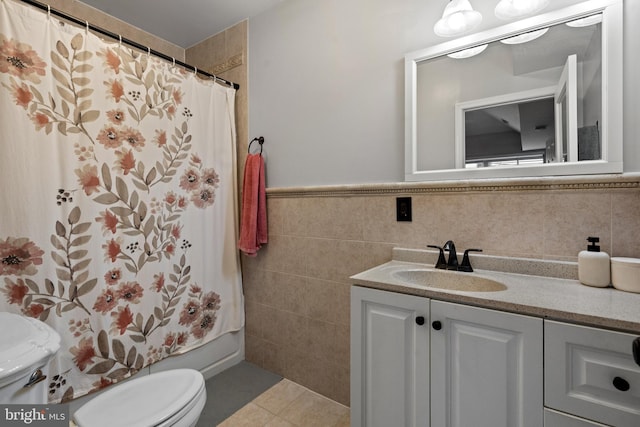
column 486, row 368
column 591, row 373
column 389, row 359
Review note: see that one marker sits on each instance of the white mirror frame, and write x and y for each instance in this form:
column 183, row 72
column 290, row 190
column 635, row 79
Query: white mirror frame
column 612, row 91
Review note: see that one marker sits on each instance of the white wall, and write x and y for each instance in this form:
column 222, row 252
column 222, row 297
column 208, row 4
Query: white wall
column 446, row 81
column 326, row 85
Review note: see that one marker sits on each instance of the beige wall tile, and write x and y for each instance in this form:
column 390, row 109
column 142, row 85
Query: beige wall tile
column 236, row 38
column 376, row 253
column 380, row 225
column 571, row 217
column 333, row 259
column 322, row 339
column 276, row 213
column 254, row 314
column 291, row 292
column 341, row 392
column 275, row 322
column 253, row 350
column 286, row 254
column 325, row 217
column 274, row 358
column 327, row 301
column 625, row 224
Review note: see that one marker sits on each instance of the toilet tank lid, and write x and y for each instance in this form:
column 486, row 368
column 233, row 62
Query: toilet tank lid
column 25, row 344
column 144, row 401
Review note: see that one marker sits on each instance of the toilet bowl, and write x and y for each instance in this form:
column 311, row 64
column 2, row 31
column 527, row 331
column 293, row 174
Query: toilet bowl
column 26, row 347
column 169, row 398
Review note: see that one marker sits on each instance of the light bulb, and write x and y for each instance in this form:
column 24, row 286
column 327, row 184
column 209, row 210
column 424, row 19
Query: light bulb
column 458, row 18
column 468, row 53
column 526, row 37
column 509, row 9
column 586, row 21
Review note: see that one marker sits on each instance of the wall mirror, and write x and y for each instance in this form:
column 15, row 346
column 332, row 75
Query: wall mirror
column 540, row 96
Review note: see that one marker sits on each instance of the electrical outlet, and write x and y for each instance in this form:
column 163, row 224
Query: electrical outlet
column 403, row 209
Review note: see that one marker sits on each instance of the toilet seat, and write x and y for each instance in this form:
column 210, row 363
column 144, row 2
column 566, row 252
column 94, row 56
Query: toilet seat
column 159, row 399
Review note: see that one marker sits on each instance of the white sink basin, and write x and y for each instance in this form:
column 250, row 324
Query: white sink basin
column 450, row 280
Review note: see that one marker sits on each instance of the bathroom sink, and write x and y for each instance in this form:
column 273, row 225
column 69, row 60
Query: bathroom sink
column 449, row 280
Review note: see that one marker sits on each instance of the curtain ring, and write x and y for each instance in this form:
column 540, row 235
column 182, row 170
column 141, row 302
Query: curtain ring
column 48, row 11
column 148, row 52
column 174, row 62
column 87, row 26
column 119, row 40
column 195, row 71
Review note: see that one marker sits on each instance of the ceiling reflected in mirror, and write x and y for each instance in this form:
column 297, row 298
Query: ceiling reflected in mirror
column 540, row 95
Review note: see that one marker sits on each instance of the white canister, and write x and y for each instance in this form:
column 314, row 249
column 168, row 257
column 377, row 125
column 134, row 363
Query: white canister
column 625, row 274
column 594, row 266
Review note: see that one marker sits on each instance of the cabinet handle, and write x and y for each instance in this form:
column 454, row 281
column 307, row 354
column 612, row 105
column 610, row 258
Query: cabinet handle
column 437, row 325
column 420, row 320
column 636, row 350
column 621, row 384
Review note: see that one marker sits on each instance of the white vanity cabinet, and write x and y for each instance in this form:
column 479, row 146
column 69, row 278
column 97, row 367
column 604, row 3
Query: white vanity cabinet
column 590, row 373
column 389, row 359
column 485, row 365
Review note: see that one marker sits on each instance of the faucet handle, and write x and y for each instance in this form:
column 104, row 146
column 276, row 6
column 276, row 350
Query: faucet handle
column 466, row 263
column 441, row 263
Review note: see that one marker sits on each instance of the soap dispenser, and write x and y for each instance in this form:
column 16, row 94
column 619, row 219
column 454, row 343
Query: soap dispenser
column 594, row 266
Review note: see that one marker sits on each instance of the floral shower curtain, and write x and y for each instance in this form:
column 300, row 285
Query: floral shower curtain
column 118, row 218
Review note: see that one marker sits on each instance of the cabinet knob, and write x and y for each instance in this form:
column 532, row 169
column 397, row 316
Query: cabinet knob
column 437, row 325
column 420, row 320
column 621, row 384
column 636, row 350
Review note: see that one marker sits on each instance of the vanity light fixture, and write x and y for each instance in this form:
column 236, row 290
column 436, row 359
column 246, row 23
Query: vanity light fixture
column 525, row 37
column 458, row 18
column 586, row 21
column 509, row 9
column 468, row 53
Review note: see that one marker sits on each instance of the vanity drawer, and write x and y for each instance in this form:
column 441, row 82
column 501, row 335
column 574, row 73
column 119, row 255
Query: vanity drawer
column 591, row 373
column 558, row 419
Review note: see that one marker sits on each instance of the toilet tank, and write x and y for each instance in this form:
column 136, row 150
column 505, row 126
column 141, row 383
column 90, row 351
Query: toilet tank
column 26, row 347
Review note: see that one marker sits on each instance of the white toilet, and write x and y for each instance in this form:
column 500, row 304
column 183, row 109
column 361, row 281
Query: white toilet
column 26, row 347
column 168, row 398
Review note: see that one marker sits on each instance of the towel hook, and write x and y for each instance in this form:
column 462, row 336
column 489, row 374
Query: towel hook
column 260, row 141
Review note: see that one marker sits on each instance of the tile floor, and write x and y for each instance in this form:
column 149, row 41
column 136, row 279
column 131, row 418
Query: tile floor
column 288, row 404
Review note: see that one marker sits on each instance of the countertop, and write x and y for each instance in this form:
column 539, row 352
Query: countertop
column 547, row 297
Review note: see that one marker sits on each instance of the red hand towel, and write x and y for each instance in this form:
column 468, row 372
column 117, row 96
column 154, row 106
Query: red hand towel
column 253, row 218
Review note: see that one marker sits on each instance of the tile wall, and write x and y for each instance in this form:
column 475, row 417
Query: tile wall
column 297, row 288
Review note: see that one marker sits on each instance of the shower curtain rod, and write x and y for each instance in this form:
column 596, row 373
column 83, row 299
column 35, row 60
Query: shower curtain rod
column 132, row 43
